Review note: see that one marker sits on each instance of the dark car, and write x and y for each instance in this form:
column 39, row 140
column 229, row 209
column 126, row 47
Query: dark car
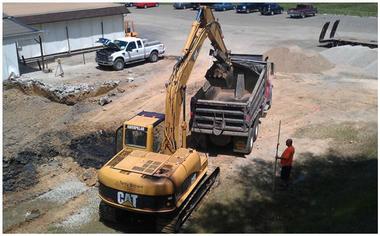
column 271, row 9
column 182, row 5
column 302, row 10
column 248, row 7
column 129, row 4
column 223, row 6
column 197, row 5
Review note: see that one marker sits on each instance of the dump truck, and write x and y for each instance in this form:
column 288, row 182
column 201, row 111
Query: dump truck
column 225, row 111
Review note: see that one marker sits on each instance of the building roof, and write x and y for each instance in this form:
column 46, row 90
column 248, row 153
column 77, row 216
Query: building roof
column 13, row 28
column 38, row 13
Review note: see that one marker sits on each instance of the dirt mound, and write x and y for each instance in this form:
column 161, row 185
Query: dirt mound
column 355, row 56
column 297, row 60
column 66, row 94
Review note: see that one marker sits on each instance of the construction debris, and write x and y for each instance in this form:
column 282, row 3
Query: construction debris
column 66, row 94
column 104, row 100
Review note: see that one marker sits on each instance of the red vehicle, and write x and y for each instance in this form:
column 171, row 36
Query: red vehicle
column 146, row 4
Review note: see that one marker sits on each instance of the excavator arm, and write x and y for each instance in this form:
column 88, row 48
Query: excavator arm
column 204, row 26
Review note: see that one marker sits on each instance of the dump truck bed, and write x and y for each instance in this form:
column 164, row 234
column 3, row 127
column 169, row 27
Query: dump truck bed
column 229, row 107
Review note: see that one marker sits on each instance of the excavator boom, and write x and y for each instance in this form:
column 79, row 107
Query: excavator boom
column 204, row 26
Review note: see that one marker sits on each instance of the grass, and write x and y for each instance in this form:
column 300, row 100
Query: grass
column 331, row 193
column 353, row 9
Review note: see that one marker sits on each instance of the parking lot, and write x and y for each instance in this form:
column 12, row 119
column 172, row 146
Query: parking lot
column 67, row 144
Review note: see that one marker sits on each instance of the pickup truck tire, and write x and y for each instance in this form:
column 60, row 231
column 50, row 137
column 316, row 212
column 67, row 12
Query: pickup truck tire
column 153, row 57
column 272, row 13
column 302, row 15
column 118, row 64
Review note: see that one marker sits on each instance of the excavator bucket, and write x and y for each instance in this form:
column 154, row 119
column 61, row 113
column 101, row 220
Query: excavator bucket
column 323, row 31
column 333, row 30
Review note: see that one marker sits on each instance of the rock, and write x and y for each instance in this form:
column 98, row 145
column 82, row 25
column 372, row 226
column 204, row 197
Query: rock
column 104, row 100
column 30, row 215
column 120, row 90
column 111, row 94
column 130, row 79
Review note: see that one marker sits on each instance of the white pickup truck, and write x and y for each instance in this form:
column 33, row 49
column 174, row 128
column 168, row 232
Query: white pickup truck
column 127, row 50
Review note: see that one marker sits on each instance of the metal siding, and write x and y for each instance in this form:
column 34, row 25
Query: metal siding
column 113, row 27
column 10, row 62
column 82, row 34
column 29, row 48
column 54, row 38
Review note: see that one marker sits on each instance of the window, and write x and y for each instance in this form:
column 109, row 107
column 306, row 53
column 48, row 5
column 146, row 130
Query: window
column 158, row 133
column 139, row 44
column 131, row 46
column 135, row 138
column 119, row 139
column 121, row 44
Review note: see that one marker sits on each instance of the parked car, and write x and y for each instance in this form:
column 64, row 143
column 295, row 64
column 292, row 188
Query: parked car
column 182, row 5
column 127, row 50
column 129, row 4
column 146, row 4
column 223, row 6
column 248, row 7
column 302, row 10
column 271, row 9
column 197, row 5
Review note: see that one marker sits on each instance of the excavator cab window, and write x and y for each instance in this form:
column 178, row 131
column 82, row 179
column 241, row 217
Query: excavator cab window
column 158, row 133
column 135, row 136
column 119, row 139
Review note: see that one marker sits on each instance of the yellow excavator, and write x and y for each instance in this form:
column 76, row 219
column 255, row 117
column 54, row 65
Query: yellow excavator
column 153, row 173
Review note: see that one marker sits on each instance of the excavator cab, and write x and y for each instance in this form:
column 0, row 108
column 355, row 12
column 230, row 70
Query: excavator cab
column 141, row 132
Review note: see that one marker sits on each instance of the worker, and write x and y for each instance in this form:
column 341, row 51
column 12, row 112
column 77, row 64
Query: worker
column 286, row 161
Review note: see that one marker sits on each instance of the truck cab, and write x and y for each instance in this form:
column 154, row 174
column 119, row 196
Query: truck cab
column 141, row 132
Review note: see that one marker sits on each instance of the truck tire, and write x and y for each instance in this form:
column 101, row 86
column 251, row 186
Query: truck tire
column 153, row 57
column 254, row 133
column 272, row 13
column 118, row 64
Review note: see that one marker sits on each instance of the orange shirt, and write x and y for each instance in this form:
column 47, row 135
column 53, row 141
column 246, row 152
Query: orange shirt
column 288, row 156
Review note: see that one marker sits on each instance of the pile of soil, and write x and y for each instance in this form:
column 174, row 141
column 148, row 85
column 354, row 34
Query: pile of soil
column 296, row 60
column 355, row 56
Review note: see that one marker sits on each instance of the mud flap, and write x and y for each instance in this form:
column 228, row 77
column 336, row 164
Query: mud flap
column 323, row 31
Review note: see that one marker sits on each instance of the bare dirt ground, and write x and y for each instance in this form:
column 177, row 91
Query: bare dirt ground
column 52, row 150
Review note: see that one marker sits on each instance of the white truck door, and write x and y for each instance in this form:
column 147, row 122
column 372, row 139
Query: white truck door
column 131, row 52
column 140, row 49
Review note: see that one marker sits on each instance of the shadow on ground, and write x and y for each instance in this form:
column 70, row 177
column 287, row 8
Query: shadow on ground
column 329, row 193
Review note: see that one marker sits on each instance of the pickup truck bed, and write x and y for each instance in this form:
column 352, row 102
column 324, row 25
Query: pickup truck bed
column 230, row 109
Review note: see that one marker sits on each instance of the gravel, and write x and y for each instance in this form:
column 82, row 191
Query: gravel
column 64, row 192
column 360, row 57
column 296, row 60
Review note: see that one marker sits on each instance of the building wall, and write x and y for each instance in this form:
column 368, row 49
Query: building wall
column 60, row 37
column 10, row 62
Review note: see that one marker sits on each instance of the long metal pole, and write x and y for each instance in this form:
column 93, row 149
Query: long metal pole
column 42, row 53
column 275, row 158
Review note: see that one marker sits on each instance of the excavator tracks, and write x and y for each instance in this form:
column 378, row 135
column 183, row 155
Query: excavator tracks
column 173, row 223
column 167, row 223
